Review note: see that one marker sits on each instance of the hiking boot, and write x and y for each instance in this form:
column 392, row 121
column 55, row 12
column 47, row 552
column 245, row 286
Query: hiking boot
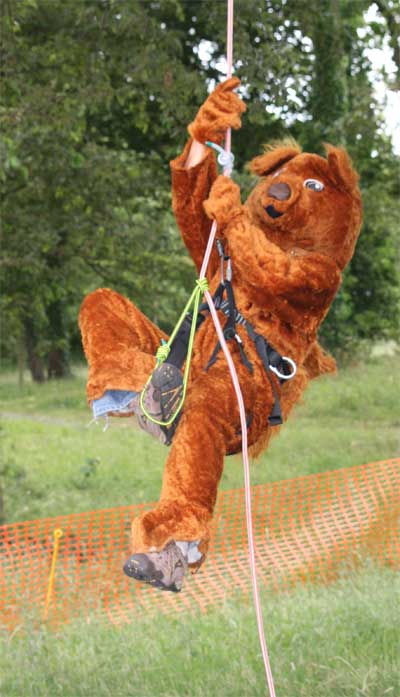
column 161, row 399
column 167, row 384
column 164, row 569
column 152, row 406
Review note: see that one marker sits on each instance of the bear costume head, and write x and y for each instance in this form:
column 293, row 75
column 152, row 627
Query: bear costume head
column 306, row 202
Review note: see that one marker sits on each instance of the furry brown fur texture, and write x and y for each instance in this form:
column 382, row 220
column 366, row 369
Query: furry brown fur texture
column 289, row 244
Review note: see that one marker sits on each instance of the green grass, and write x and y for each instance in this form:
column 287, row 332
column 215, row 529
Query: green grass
column 53, row 464
column 335, row 641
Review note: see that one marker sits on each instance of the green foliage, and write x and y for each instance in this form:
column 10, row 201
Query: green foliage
column 95, row 102
column 83, row 209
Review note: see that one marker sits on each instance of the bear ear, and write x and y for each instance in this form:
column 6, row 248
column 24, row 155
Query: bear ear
column 273, row 157
column 341, row 167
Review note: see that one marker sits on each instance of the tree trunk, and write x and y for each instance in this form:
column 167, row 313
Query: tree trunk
column 57, row 364
column 329, row 100
column 58, row 357
column 35, row 362
column 21, row 360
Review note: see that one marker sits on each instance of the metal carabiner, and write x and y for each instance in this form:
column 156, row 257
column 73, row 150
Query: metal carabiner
column 281, row 376
column 225, row 159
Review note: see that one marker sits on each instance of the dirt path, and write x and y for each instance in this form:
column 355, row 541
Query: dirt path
column 38, row 418
column 81, row 423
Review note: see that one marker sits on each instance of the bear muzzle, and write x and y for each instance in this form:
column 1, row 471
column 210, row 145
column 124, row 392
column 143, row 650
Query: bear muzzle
column 280, row 192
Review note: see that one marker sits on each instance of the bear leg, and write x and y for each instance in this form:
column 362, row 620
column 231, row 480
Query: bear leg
column 194, row 467
column 119, row 341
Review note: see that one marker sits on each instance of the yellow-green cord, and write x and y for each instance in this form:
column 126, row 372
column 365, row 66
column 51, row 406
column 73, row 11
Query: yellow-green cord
column 163, row 351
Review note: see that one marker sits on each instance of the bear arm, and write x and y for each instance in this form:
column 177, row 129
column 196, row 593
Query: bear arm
column 264, row 265
column 190, row 187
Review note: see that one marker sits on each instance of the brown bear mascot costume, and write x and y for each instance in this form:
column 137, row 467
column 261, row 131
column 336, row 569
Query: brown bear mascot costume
column 288, row 246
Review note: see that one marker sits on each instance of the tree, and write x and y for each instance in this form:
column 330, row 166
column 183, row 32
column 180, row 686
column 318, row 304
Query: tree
column 66, row 183
column 96, row 98
column 343, row 107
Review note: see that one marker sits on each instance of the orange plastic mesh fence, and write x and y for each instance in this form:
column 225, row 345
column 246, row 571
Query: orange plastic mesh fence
column 305, row 529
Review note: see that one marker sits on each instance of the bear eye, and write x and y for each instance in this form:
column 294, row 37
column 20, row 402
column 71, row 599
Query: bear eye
column 314, row 184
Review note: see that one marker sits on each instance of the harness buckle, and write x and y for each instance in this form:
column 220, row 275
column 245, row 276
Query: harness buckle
column 282, row 376
column 229, row 333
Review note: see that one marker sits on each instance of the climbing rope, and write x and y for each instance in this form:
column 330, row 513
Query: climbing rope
column 235, row 380
column 225, row 158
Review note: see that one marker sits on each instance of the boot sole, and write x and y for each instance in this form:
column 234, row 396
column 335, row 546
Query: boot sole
column 144, row 570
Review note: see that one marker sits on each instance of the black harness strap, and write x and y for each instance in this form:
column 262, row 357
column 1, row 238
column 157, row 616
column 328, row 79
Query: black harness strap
column 229, row 309
column 179, row 346
column 269, row 357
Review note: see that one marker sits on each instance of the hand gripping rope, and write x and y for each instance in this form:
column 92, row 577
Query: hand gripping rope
column 225, row 158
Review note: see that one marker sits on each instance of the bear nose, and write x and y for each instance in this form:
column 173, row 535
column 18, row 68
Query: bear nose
column 279, row 191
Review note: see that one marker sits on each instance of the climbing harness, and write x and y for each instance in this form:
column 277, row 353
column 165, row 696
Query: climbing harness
column 180, row 345
column 283, row 367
